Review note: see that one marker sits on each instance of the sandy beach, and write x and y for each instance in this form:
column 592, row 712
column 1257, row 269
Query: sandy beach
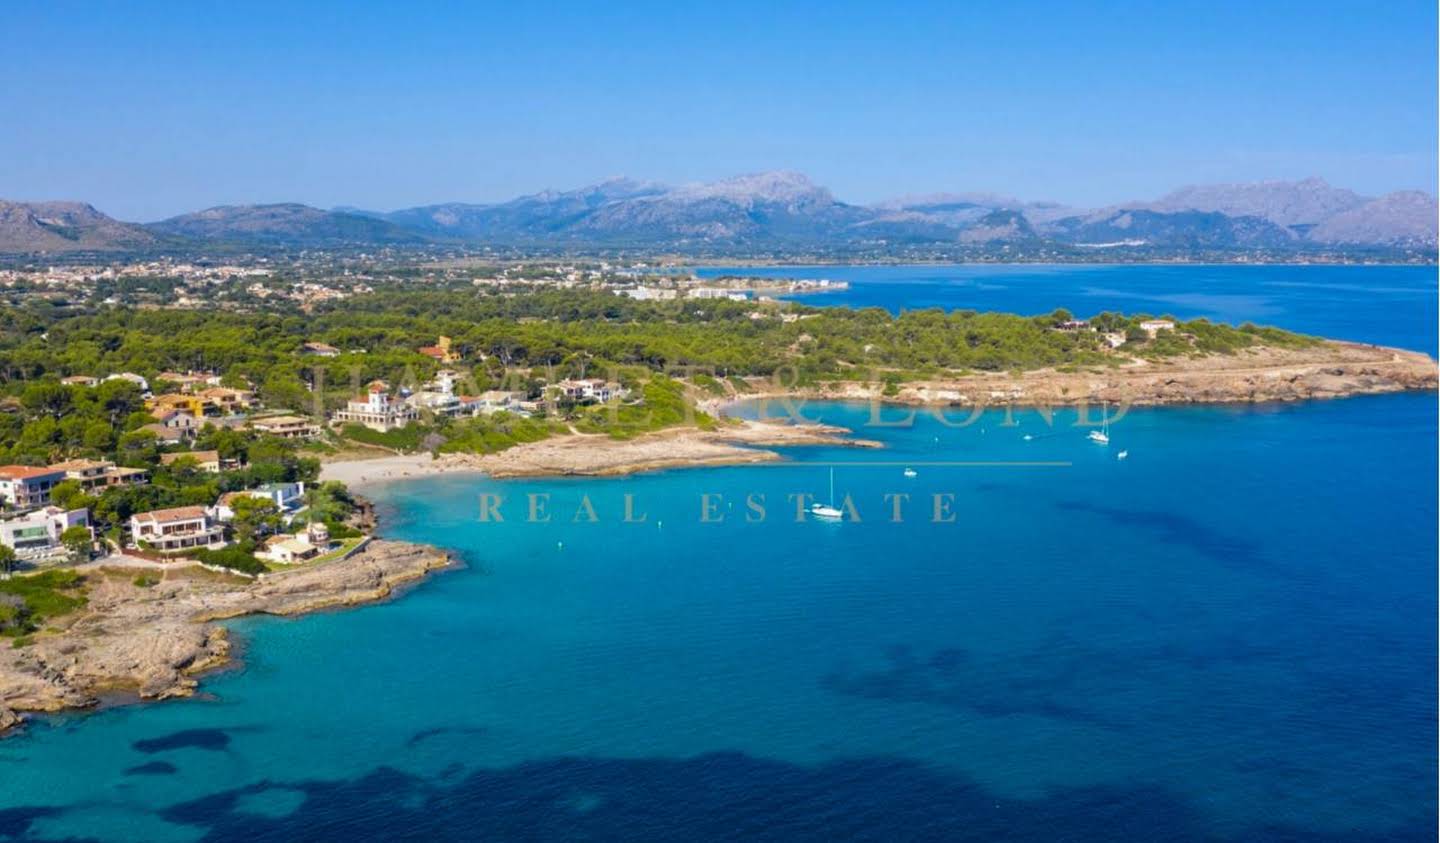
column 364, row 472
column 737, row 442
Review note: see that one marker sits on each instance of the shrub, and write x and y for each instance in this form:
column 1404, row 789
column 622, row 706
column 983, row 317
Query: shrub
column 234, row 558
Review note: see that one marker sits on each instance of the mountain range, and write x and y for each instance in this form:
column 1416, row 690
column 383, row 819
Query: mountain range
column 773, row 211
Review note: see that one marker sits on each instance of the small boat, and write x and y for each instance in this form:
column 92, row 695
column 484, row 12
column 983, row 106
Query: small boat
column 1122, row 455
column 828, row 512
column 1027, row 437
column 910, row 472
column 1103, row 434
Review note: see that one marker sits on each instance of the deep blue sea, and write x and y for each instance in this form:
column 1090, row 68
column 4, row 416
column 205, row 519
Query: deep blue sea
column 1230, row 635
column 1389, row 305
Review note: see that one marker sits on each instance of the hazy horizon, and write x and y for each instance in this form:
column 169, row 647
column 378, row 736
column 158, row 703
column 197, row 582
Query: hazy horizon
column 161, row 109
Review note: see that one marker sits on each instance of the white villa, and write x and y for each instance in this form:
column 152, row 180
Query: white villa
column 37, row 534
column 287, row 550
column 376, row 411
column 498, row 400
column 439, row 397
column 591, row 389
column 181, row 528
column 138, row 380
column 289, row 498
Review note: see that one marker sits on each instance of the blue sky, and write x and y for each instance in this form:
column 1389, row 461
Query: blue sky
column 152, row 109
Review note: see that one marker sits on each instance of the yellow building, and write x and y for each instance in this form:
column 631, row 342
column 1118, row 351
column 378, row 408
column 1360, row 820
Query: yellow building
column 440, row 351
column 195, row 405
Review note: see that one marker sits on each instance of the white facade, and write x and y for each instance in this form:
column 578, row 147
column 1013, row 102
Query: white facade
column 133, row 378
column 591, row 389
column 648, row 293
column 181, row 528
column 376, row 411
column 719, row 293
column 288, row 550
column 37, row 535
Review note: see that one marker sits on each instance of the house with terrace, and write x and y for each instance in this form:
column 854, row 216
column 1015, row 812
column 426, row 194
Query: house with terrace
column 376, row 410
column 26, row 487
column 36, row 535
column 287, row 549
column 178, row 529
column 227, row 400
column 208, row 461
column 286, row 427
column 96, row 476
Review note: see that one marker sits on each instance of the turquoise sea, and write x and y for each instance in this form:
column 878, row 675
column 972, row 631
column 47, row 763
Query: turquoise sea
column 1229, row 635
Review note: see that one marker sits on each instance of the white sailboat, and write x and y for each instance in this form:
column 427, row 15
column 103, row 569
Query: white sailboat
column 911, row 473
column 1122, row 455
column 828, row 512
column 1103, row 434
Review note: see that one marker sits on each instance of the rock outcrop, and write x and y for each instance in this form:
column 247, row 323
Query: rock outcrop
column 1327, row 370
column 153, row 641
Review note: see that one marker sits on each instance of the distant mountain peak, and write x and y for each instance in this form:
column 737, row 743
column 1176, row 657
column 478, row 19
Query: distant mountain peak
column 769, row 186
column 65, row 226
column 1288, row 203
column 283, row 223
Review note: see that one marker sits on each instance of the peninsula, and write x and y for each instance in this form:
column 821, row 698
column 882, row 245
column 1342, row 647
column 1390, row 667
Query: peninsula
column 147, row 632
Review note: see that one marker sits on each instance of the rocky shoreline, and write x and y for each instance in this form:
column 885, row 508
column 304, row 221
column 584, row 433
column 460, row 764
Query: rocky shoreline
column 150, row 642
column 1328, row 370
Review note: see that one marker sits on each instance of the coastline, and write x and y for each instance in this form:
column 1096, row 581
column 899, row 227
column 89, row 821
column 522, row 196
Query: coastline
column 1330, row 370
column 733, row 442
column 151, row 643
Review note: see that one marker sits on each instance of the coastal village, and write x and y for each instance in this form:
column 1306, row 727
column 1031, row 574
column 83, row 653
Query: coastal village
column 258, row 282
column 42, row 526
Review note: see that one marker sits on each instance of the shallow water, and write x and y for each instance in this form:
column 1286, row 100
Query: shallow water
column 1230, row 634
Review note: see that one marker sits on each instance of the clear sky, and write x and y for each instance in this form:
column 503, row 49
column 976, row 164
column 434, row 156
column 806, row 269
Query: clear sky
column 152, row 109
